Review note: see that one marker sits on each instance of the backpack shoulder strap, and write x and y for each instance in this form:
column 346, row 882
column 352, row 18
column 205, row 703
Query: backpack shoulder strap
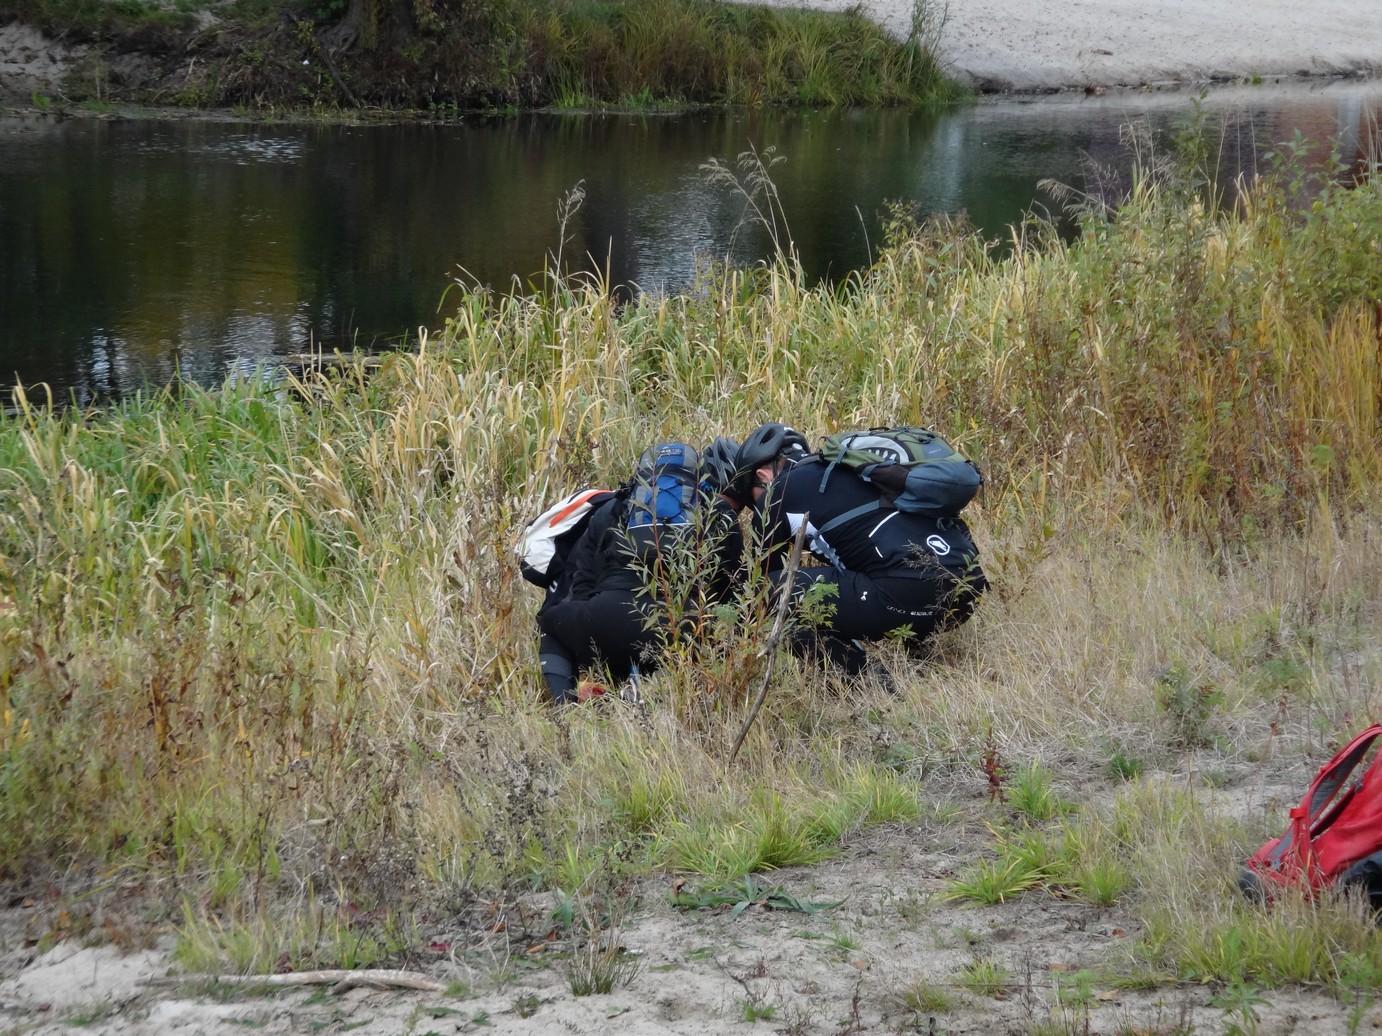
column 829, row 468
column 849, row 516
column 839, row 443
column 1335, row 774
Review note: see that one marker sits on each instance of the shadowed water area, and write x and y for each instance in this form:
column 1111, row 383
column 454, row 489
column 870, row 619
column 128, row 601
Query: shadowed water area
column 132, row 251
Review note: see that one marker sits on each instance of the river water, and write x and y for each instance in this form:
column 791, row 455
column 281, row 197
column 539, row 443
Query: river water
column 136, row 251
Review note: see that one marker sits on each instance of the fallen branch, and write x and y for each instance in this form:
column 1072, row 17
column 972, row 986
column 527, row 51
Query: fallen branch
column 789, row 579
column 340, row 980
column 325, row 56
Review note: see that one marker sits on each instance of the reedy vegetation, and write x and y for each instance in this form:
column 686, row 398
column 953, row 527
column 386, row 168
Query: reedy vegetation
column 266, row 648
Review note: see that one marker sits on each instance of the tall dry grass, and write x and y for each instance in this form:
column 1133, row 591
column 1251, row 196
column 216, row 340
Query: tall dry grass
column 272, row 638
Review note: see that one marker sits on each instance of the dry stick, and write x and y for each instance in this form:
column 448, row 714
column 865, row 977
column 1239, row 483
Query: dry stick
column 775, row 636
column 336, row 77
column 321, row 52
column 343, row 980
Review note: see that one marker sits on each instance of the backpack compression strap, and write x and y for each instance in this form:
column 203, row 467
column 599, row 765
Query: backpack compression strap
column 845, row 445
column 863, row 473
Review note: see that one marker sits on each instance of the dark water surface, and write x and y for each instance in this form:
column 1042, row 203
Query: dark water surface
column 132, row 250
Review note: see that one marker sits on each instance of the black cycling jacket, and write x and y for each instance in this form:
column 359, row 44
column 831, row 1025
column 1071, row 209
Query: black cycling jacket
column 876, row 543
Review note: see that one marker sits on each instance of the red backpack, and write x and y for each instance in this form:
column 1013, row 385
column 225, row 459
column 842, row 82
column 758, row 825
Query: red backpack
column 1333, row 839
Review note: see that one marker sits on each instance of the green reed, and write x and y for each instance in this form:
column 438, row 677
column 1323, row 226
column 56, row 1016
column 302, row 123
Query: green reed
column 694, row 52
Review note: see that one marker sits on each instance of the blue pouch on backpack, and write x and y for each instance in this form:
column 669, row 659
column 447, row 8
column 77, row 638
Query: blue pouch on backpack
column 663, row 497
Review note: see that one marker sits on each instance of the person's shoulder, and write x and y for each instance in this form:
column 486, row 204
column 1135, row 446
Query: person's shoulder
column 810, row 466
column 610, row 509
column 604, row 518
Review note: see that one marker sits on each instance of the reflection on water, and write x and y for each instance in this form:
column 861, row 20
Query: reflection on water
column 238, row 148
column 132, row 251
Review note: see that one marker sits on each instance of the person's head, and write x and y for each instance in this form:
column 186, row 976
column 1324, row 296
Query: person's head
column 719, row 463
column 765, row 451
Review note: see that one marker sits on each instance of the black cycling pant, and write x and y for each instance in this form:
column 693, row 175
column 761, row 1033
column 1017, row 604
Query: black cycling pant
column 609, row 629
column 871, row 607
column 558, row 668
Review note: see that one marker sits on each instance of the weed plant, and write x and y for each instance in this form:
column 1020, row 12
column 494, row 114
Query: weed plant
column 984, row 977
column 924, row 997
column 597, row 969
column 694, row 52
column 265, row 653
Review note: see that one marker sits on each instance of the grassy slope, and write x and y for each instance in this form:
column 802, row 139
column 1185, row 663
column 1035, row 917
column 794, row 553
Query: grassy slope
column 264, row 640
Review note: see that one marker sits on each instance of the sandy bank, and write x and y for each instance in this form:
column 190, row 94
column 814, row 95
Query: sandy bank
column 1040, row 45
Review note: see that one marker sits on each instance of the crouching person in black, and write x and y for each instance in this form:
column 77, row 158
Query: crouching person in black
column 890, row 569
column 624, row 600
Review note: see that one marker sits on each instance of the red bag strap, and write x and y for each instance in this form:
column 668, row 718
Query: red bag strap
column 576, row 502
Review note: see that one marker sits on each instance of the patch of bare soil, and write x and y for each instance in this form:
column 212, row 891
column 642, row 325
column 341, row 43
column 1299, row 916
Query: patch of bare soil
column 201, row 64
column 838, row 969
column 31, row 63
column 36, row 69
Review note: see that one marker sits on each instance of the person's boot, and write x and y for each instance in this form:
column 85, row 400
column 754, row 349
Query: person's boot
column 559, row 678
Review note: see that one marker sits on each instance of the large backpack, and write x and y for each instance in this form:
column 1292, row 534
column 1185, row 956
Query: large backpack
column 1334, row 838
column 662, row 498
column 914, row 468
column 546, row 541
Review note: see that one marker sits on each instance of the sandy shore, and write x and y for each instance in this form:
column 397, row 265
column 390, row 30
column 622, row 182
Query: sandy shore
column 1074, row 43
column 1041, row 45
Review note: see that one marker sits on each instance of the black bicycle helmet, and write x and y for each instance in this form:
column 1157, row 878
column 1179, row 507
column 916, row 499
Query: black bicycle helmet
column 719, row 464
column 764, row 445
